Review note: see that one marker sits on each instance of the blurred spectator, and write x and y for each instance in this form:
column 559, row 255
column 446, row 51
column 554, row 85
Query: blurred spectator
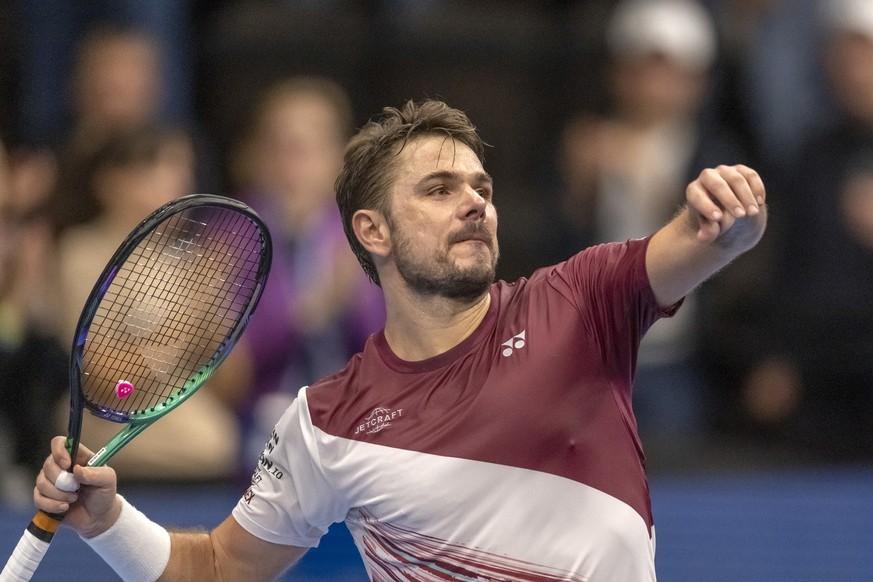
column 816, row 387
column 116, row 87
column 32, row 363
column 625, row 173
column 318, row 307
column 49, row 36
column 130, row 175
column 774, row 87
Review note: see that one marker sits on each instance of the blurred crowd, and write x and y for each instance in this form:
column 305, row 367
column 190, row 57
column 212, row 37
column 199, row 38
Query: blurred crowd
column 598, row 113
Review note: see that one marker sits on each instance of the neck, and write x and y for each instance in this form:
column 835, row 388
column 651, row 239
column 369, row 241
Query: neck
column 419, row 327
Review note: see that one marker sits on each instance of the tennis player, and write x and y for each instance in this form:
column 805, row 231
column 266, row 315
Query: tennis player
column 487, row 432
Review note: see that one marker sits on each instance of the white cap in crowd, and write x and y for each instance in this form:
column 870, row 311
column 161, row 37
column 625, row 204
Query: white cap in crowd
column 681, row 30
column 853, row 16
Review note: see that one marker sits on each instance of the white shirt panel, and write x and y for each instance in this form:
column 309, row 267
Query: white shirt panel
column 402, row 506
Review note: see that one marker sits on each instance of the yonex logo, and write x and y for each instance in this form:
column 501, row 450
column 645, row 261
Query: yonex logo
column 516, row 343
column 378, row 420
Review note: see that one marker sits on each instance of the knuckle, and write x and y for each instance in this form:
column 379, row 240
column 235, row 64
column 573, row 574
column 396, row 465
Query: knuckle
column 41, row 481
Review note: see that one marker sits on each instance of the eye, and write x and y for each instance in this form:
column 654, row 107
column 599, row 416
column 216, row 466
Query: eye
column 439, row 191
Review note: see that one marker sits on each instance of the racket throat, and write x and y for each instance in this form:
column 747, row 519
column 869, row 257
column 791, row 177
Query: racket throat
column 124, row 436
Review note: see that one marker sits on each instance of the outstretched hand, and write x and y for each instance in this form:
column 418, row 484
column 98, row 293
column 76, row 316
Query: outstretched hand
column 729, row 206
column 94, row 507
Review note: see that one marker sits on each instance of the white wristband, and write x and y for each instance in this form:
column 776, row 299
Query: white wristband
column 137, row 548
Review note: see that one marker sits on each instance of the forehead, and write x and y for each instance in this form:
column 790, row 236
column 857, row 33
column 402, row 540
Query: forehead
column 428, row 153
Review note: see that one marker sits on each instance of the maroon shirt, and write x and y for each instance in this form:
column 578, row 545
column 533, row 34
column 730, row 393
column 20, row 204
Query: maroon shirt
column 544, row 382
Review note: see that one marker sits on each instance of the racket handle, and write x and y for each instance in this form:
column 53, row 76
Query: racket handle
column 32, row 546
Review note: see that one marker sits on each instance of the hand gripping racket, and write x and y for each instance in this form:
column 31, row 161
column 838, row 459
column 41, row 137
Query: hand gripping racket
column 165, row 312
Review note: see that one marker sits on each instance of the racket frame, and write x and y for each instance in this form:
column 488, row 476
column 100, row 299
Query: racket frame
column 136, row 422
column 35, row 540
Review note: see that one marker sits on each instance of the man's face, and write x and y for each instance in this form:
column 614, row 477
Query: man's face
column 442, row 219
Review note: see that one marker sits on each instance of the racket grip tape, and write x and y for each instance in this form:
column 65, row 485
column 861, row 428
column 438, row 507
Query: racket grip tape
column 31, row 548
column 44, row 525
column 35, row 541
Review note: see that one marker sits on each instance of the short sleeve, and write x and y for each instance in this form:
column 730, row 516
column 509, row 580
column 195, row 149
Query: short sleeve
column 290, row 501
column 610, row 289
column 610, row 280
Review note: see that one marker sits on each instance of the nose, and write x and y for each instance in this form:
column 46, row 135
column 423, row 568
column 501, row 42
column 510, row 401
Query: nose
column 474, row 205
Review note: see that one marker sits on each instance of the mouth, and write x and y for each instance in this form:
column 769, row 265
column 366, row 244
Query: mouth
column 476, row 236
column 474, row 239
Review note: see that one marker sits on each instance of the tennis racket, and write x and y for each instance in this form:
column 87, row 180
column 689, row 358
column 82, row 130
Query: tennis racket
column 166, row 311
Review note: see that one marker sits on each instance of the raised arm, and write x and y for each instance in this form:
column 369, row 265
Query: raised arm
column 138, row 549
column 724, row 216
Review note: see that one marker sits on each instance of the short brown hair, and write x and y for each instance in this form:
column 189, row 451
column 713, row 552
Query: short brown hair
column 367, row 173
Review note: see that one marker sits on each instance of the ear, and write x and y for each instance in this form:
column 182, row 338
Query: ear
column 372, row 231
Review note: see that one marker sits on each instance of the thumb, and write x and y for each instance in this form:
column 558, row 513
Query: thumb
column 83, row 455
column 708, row 230
column 99, row 477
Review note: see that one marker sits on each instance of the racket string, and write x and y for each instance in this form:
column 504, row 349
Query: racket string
column 171, row 307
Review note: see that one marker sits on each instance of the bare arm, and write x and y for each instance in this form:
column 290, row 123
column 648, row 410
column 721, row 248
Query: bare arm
column 228, row 552
column 725, row 215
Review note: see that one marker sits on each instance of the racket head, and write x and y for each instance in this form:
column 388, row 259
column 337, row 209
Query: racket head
column 167, row 309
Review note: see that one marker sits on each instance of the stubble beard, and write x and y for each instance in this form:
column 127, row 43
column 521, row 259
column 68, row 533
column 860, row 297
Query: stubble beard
column 441, row 276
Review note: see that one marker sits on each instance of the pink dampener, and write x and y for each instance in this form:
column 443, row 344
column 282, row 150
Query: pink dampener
column 123, row 389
